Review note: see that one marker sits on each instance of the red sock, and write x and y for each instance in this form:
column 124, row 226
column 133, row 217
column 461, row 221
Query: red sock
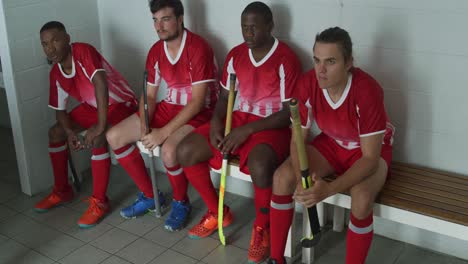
column 281, row 216
column 100, row 167
column 130, row 159
column 359, row 239
column 262, row 199
column 199, row 176
column 178, row 182
column 58, row 153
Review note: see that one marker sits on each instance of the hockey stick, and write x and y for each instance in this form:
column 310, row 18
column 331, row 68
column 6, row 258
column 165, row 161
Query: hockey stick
column 225, row 165
column 315, row 235
column 75, row 179
column 157, row 205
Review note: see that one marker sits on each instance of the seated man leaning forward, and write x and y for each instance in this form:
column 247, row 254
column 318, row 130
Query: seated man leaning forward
column 105, row 99
column 355, row 144
column 186, row 63
column 267, row 70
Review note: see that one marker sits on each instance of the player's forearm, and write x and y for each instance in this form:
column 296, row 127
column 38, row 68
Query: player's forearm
column 359, row 171
column 101, row 93
column 221, row 106
column 64, row 120
column 185, row 115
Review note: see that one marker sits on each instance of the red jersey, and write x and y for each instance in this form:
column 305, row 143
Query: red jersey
column 86, row 61
column 360, row 112
column 262, row 86
column 195, row 63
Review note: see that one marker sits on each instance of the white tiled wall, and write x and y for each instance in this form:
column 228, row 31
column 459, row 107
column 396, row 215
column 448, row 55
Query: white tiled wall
column 29, row 74
column 416, row 49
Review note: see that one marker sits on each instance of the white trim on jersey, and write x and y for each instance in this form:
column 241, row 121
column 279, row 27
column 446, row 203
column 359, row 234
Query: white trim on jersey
column 179, row 53
column 269, row 54
column 309, row 114
column 282, row 77
column 97, row 70
column 204, row 81
column 183, row 97
column 72, row 74
column 373, row 133
column 348, row 144
column 84, row 71
column 343, row 96
column 229, row 69
column 61, row 98
column 116, row 97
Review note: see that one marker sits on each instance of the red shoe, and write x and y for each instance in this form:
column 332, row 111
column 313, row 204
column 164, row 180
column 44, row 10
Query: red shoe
column 259, row 249
column 209, row 224
column 52, row 200
column 96, row 211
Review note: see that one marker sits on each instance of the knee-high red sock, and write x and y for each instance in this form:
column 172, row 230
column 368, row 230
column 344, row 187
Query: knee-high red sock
column 281, row 216
column 58, row 153
column 100, row 167
column 359, row 239
column 262, row 199
column 130, row 159
column 178, row 182
column 199, row 176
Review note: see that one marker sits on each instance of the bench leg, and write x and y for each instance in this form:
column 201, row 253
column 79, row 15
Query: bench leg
column 289, row 250
column 307, row 253
column 322, row 214
column 338, row 218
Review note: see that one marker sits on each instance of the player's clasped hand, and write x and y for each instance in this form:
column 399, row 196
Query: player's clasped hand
column 155, row 138
column 234, row 140
column 313, row 195
column 93, row 135
column 74, row 142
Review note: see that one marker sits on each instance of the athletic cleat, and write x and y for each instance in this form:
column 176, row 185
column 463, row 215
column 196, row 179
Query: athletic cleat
column 209, row 223
column 259, row 249
column 141, row 206
column 53, row 200
column 96, row 211
column 178, row 216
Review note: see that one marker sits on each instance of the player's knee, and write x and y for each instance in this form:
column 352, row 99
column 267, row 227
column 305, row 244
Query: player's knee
column 284, row 180
column 184, row 153
column 112, row 137
column 261, row 173
column 168, row 153
column 56, row 133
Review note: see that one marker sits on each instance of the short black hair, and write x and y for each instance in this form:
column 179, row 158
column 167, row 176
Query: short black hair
column 261, row 9
column 176, row 5
column 338, row 36
column 53, row 25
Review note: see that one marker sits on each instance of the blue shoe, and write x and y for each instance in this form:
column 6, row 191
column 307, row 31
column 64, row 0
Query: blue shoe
column 141, row 206
column 178, row 216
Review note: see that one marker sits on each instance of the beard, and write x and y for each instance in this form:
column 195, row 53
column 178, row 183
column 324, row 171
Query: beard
column 171, row 37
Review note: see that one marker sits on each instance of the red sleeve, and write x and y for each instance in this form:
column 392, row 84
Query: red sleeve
column 89, row 57
column 290, row 71
column 152, row 66
column 203, row 65
column 370, row 108
column 58, row 97
column 228, row 68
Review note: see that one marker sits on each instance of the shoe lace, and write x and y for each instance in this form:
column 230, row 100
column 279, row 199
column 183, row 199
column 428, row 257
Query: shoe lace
column 208, row 215
column 93, row 205
column 179, row 210
column 258, row 235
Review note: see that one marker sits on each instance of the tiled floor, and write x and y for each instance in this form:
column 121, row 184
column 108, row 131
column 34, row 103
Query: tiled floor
column 27, row 237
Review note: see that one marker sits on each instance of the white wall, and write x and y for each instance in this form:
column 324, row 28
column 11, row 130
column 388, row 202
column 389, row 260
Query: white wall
column 416, row 49
column 26, row 77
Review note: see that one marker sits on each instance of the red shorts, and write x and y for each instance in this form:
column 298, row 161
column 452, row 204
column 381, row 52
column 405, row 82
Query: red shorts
column 86, row 116
column 342, row 159
column 278, row 139
column 165, row 112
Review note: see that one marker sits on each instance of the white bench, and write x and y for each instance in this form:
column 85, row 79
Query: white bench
column 235, row 172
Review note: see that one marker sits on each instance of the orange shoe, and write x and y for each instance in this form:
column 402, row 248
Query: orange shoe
column 259, row 249
column 96, row 211
column 209, row 224
column 52, row 200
